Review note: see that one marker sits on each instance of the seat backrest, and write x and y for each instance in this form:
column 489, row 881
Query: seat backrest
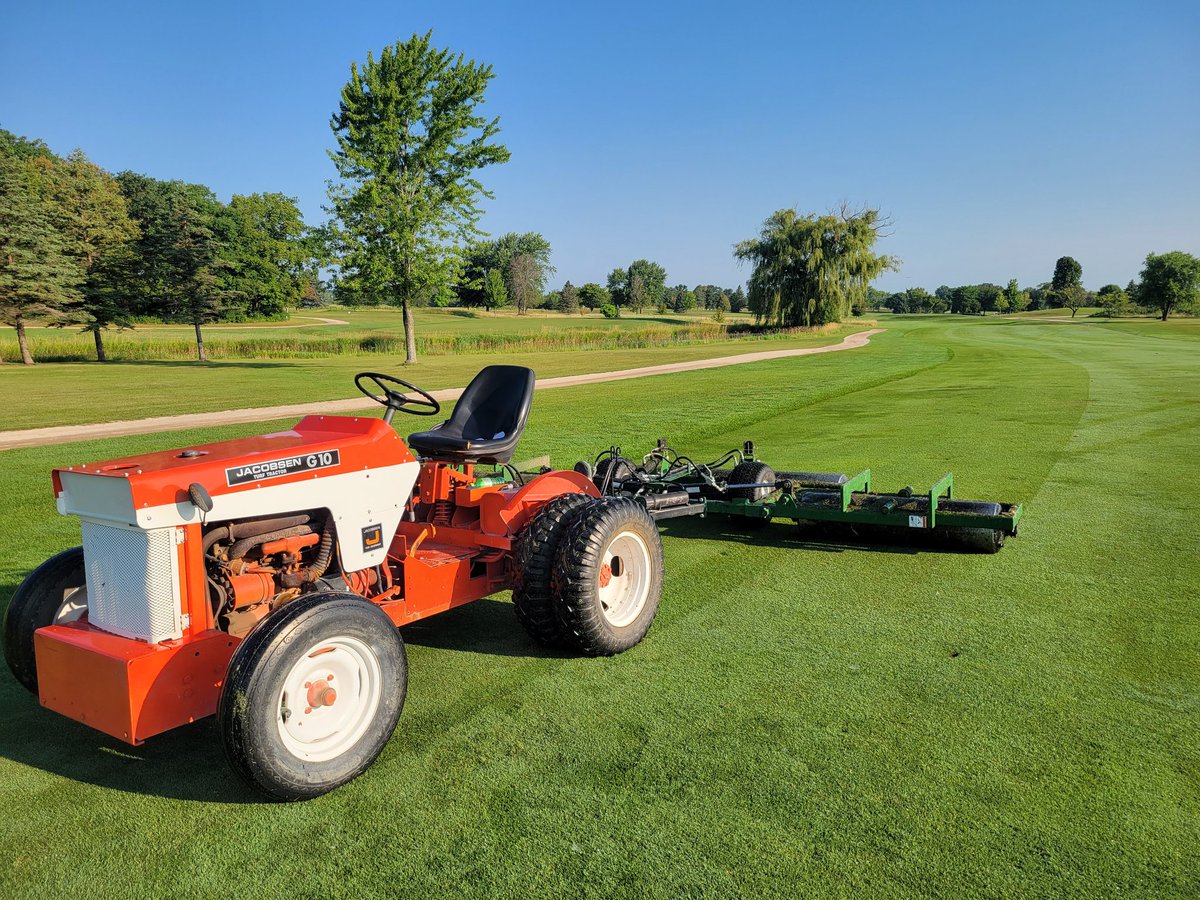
column 495, row 404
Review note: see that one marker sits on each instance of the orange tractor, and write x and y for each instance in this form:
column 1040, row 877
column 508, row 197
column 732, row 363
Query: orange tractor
column 263, row 579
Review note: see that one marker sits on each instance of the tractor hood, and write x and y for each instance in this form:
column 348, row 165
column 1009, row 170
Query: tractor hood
column 356, row 467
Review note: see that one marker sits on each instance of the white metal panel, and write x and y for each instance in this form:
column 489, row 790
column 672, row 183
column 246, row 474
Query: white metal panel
column 132, row 581
column 356, row 500
column 96, row 497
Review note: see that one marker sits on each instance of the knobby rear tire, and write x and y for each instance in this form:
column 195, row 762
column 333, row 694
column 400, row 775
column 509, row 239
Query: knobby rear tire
column 578, row 573
column 533, row 564
column 38, row 602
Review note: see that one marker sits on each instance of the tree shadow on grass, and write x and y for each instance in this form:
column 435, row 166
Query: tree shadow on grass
column 51, row 362
column 212, row 364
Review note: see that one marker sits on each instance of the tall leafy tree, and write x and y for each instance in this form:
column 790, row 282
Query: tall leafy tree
column 1015, row 299
column 653, row 278
column 37, row 277
column 270, row 256
column 1170, row 281
column 93, row 218
column 594, row 296
column 737, row 300
column 523, row 282
column 811, row 269
column 989, row 296
column 1067, row 284
column 618, row 286
column 1114, row 299
column 410, row 141
column 638, row 295
column 1067, row 273
column 494, row 289
column 483, row 256
column 964, row 300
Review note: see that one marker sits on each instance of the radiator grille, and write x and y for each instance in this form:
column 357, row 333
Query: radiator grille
column 132, row 579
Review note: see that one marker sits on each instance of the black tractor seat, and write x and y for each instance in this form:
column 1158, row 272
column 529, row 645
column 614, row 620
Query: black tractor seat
column 487, row 421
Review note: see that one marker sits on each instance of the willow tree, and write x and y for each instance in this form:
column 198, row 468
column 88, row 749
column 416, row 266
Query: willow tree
column 809, row 270
column 409, row 142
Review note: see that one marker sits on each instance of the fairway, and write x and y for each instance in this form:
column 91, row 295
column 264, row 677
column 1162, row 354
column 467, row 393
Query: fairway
column 803, row 719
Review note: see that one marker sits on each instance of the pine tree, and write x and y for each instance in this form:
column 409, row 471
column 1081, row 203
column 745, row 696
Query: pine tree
column 199, row 294
column 569, row 298
column 37, row 278
column 94, row 219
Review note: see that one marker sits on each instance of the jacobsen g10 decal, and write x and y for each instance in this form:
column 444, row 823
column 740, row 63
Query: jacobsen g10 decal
column 276, row 468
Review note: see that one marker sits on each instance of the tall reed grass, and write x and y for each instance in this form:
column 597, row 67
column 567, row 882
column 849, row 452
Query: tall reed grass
column 130, row 346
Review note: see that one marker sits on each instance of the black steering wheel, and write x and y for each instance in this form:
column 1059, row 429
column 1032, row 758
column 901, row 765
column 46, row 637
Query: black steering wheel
column 394, row 400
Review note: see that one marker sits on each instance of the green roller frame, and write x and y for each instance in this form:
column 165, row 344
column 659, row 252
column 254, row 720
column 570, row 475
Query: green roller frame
column 859, row 505
column 671, row 485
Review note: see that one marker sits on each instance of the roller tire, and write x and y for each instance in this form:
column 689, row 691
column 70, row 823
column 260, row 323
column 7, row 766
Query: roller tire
column 38, row 602
column 533, row 565
column 750, row 472
column 623, row 470
column 578, row 571
column 250, row 712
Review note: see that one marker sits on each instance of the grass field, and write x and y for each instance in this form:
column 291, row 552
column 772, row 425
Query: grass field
column 802, row 720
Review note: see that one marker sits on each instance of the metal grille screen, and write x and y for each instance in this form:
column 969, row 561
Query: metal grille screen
column 131, row 579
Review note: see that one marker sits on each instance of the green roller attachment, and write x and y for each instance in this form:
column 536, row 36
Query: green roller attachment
column 672, row 485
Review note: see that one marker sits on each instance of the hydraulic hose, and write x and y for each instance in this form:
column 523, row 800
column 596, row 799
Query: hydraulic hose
column 234, row 530
column 319, row 565
column 245, row 545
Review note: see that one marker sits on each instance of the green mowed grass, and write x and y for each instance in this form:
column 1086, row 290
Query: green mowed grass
column 803, row 719
column 78, row 393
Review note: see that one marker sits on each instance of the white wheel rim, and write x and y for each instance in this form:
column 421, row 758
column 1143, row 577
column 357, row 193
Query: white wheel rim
column 624, row 580
column 314, row 728
column 73, row 607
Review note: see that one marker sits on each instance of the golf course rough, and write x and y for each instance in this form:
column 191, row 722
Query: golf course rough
column 802, row 720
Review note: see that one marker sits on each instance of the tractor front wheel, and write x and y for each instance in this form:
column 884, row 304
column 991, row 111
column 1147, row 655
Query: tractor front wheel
column 53, row 594
column 312, row 695
column 608, row 577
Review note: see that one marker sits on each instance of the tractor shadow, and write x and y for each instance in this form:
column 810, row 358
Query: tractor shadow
column 188, row 763
column 486, row 626
column 184, row 764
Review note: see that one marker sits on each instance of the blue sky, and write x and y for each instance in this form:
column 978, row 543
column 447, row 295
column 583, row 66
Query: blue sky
column 998, row 137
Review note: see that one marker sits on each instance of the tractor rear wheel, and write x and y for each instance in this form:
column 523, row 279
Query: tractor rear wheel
column 533, row 564
column 608, row 577
column 312, row 695
column 751, row 472
column 53, row 594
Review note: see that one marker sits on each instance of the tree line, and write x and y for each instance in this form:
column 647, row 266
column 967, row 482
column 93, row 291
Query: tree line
column 79, row 246
column 1168, row 282
column 82, row 247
